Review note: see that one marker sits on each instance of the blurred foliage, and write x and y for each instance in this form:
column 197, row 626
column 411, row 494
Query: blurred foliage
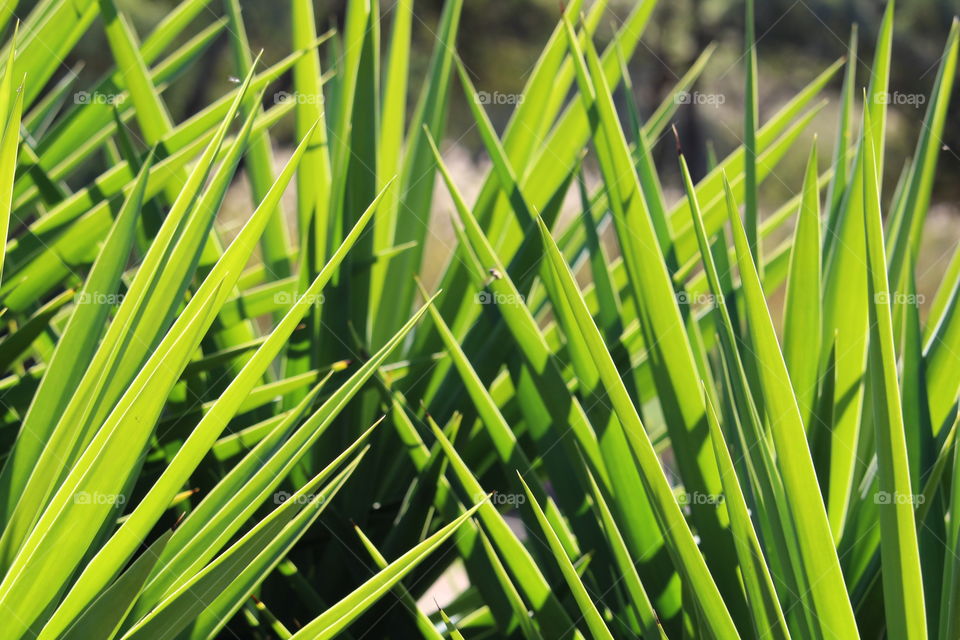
column 503, row 37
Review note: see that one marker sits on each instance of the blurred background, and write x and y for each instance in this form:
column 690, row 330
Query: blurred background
column 500, row 39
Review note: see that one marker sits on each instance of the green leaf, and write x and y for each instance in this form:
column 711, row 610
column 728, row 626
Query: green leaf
column 232, row 576
column 801, row 313
column 205, row 434
column 902, row 581
column 452, row 628
column 95, row 485
column 751, row 118
column 337, row 617
column 549, row 613
column 587, row 608
column 419, row 168
column 9, row 143
column 75, row 347
column 675, row 373
column 832, row 605
column 768, row 617
column 274, row 241
column 420, row 618
column 105, row 614
column 676, row 532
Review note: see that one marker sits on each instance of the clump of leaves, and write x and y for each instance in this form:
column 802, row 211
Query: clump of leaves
column 282, row 436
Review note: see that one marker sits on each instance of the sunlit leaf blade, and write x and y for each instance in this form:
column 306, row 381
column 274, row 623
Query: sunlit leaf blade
column 768, row 617
column 105, row 614
column 598, row 629
column 550, row 615
column 334, row 619
column 76, row 346
column 246, row 560
column 417, row 175
column 801, row 312
column 676, row 531
column 832, row 605
column 423, row 622
column 751, row 215
column 203, row 437
column 274, row 242
column 902, row 582
column 9, row 143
